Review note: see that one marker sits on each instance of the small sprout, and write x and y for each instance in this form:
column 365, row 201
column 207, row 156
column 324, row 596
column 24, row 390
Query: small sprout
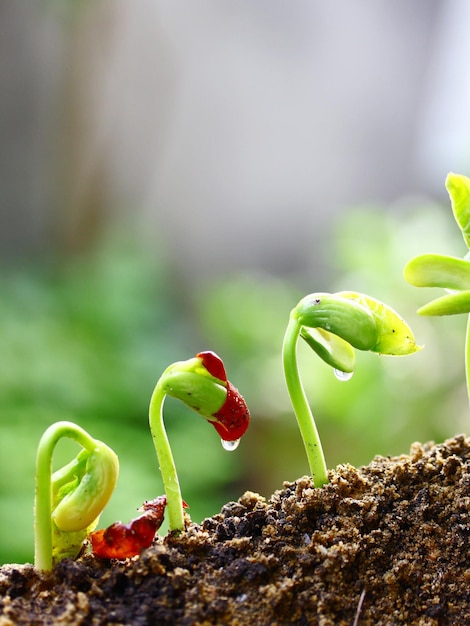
column 448, row 272
column 201, row 383
column 68, row 502
column 120, row 541
column 332, row 325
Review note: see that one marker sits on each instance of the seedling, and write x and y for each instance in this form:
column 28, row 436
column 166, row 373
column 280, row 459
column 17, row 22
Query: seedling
column 201, row 383
column 68, row 502
column 333, row 325
column 451, row 273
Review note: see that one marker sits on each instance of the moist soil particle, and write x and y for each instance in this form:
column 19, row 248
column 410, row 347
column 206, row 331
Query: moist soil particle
column 383, row 544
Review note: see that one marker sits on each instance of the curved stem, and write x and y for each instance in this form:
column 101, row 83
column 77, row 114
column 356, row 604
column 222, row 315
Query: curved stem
column 165, row 459
column 43, row 494
column 308, row 429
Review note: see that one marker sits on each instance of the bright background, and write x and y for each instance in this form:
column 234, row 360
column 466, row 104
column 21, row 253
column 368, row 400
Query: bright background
column 174, row 177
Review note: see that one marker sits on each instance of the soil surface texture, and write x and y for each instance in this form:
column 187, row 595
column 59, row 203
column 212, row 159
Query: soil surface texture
column 384, row 544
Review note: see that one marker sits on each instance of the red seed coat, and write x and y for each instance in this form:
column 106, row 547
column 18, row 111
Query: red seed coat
column 120, row 541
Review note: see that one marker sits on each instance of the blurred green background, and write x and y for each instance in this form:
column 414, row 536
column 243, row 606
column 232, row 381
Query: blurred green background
column 174, row 177
column 86, row 340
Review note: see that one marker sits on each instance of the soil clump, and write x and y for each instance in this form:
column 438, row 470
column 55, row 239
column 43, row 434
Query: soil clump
column 381, row 545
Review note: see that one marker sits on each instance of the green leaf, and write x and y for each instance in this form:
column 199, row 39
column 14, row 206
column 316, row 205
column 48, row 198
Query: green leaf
column 81, row 506
column 331, row 348
column 394, row 336
column 438, row 270
column 458, row 187
column 190, row 382
column 451, row 304
column 338, row 315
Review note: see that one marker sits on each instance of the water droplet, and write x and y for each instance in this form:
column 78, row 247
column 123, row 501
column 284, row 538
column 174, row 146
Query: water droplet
column 230, row 445
column 343, row 375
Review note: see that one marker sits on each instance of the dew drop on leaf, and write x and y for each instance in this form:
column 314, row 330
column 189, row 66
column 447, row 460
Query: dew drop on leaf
column 343, row 375
column 230, row 445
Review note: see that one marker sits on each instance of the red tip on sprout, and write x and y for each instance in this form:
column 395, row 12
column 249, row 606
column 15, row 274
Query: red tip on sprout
column 233, row 417
column 213, row 364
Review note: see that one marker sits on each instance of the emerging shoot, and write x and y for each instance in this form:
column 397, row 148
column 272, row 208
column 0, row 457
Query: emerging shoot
column 201, row 383
column 68, row 502
column 333, row 325
column 448, row 272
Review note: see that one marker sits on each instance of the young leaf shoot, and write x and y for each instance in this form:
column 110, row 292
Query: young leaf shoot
column 68, row 502
column 448, row 272
column 333, row 325
column 200, row 383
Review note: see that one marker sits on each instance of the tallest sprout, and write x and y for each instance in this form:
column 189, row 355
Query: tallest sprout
column 451, row 273
column 332, row 325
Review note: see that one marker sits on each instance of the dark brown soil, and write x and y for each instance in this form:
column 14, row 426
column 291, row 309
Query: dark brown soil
column 384, row 544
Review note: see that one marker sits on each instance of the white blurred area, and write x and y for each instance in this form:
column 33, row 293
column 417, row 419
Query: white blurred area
column 232, row 132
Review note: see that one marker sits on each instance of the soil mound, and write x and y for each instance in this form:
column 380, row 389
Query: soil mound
column 383, row 544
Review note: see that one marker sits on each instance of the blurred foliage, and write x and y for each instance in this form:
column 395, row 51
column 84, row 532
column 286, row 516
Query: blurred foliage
column 85, row 339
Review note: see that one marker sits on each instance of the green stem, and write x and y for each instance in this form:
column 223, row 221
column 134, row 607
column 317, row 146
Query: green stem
column 467, row 357
column 308, row 429
column 165, row 459
column 43, row 495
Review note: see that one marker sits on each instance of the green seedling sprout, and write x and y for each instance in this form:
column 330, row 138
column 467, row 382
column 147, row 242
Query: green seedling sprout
column 448, row 272
column 200, row 383
column 333, row 325
column 68, row 502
